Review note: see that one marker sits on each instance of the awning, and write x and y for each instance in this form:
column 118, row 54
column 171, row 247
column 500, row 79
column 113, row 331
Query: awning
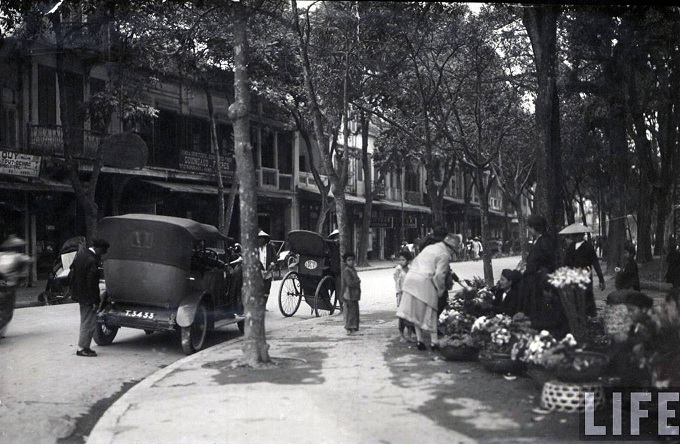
column 407, row 206
column 183, row 187
column 349, row 198
column 38, row 185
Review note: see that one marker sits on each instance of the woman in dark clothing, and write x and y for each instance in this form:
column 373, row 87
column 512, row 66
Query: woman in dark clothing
column 628, row 277
column 581, row 254
column 506, row 292
column 539, row 301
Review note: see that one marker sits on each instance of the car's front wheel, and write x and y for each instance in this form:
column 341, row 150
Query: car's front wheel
column 193, row 336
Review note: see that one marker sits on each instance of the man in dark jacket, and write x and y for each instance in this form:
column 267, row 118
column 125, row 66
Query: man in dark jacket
column 85, row 275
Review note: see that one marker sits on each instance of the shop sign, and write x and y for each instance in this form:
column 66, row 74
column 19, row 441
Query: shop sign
column 381, row 222
column 410, row 222
column 204, row 163
column 18, row 164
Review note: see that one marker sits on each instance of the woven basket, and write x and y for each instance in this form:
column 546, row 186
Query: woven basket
column 569, row 397
column 461, row 353
column 500, row 362
column 617, row 322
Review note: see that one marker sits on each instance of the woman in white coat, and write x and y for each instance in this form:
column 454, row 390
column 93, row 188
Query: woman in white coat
column 423, row 284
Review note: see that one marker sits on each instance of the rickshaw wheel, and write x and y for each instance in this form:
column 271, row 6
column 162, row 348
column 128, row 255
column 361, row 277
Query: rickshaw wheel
column 290, row 294
column 104, row 335
column 193, row 336
column 325, row 291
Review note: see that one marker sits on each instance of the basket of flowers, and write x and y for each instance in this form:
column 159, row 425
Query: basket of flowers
column 459, row 348
column 455, row 323
column 456, row 343
column 495, row 337
column 581, row 366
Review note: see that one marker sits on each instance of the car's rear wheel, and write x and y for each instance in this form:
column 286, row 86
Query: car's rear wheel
column 104, row 335
column 193, row 336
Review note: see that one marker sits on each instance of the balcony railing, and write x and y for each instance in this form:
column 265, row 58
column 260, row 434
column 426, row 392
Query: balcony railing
column 307, row 179
column 413, row 197
column 49, row 140
column 379, row 190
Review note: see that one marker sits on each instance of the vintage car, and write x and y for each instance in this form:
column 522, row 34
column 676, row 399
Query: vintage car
column 165, row 273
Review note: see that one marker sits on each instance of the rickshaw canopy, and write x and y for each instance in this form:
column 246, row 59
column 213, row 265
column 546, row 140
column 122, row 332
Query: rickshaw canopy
column 152, row 238
column 308, row 243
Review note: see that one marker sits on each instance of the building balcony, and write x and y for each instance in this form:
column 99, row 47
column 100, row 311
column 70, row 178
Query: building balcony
column 413, row 197
column 307, row 179
column 48, row 140
column 379, row 190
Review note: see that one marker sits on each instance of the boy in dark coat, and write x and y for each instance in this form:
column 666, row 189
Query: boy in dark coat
column 351, row 293
column 581, row 254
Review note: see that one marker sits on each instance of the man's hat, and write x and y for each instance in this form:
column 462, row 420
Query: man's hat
column 262, row 234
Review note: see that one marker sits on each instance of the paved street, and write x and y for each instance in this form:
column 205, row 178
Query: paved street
column 41, row 377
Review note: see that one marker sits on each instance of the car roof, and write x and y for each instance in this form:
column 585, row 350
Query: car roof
column 196, row 229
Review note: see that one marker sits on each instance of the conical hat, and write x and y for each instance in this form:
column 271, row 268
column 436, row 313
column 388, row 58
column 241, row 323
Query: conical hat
column 576, row 228
column 262, row 234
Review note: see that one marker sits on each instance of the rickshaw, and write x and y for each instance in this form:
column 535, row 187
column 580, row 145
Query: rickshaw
column 165, row 273
column 313, row 274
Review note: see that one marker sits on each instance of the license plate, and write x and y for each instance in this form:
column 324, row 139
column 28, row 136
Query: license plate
column 139, row 314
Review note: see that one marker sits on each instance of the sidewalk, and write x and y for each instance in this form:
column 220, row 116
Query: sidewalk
column 326, row 387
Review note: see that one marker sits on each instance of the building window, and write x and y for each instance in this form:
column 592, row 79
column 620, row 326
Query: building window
column 267, row 148
column 47, row 96
column 8, row 127
column 285, row 149
column 200, row 135
column 411, row 180
column 99, row 120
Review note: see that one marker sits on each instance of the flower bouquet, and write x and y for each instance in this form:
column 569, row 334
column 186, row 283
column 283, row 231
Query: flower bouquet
column 473, row 301
column 571, row 284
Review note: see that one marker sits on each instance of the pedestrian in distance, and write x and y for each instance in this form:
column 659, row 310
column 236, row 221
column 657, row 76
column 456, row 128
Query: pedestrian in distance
column 423, row 285
column 267, row 257
column 86, row 271
column 406, row 329
column 627, row 276
column 673, row 261
column 351, row 293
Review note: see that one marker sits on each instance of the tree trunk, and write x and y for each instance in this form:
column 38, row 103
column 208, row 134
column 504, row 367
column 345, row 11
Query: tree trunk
column 255, row 347
column 541, row 25
column 368, row 192
column 484, row 216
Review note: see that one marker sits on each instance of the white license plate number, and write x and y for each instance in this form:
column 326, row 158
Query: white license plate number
column 139, row 314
